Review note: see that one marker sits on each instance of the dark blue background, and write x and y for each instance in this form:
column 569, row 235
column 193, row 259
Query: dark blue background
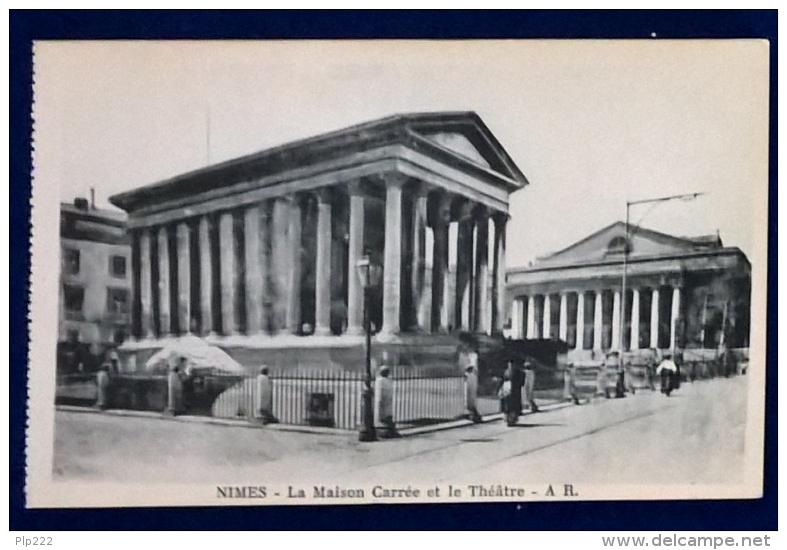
column 26, row 26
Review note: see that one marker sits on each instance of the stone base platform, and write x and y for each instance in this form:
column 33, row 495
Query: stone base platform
column 436, row 353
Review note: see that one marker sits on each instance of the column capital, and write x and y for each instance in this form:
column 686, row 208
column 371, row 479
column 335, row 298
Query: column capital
column 355, row 188
column 466, row 210
column 481, row 212
column 394, row 179
column 499, row 217
column 439, row 208
column 324, row 194
column 421, row 189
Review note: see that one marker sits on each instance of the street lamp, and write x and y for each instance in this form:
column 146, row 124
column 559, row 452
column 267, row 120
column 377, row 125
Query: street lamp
column 370, row 275
column 622, row 312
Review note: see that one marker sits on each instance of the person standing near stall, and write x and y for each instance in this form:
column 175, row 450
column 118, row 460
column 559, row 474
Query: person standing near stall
column 265, row 397
column 102, row 387
column 383, row 404
column 174, row 391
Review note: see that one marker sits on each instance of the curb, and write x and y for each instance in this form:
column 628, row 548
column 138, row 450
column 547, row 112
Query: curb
column 319, row 430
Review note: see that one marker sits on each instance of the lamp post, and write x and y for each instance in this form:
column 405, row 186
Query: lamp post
column 629, row 204
column 369, row 275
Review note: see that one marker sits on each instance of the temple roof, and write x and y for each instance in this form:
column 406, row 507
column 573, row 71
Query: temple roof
column 459, row 139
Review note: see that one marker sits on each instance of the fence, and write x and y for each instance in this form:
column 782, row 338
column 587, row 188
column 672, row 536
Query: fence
column 314, row 398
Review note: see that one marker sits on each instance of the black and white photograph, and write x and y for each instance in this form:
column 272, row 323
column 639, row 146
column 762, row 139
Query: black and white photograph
column 353, row 272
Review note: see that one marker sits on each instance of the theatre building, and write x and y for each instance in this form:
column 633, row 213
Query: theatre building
column 259, row 254
column 682, row 293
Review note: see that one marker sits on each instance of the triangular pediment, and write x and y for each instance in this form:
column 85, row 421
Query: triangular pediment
column 467, row 137
column 608, row 244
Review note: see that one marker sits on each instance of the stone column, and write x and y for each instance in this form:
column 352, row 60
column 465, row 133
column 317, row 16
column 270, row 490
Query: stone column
column 598, row 322
column 464, row 268
column 580, row 344
column 616, row 321
column 674, row 317
column 654, row 319
column 392, row 265
column 294, row 244
column 163, row 283
column 322, row 276
column 205, row 276
column 355, row 253
column 482, row 272
column 563, row 328
column 420, row 299
column 228, row 273
column 531, row 317
column 145, row 294
column 184, row 278
column 253, row 257
column 280, row 263
column 440, row 265
column 634, row 339
column 499, row 274
column 546, row 321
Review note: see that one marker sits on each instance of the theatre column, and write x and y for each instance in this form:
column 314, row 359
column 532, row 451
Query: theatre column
column 481, row 302
column 420, row 301
column 145, row 294
column 531, row 317
column 597, row 322
column 580, row 344
column 563, row 327
column 163, row 282
column 499, row 274
column 228, row 273
column 205, row 277
column 440, row 274
column 355, row 253
column 546, row 320
column 322, row 284
column 616, row 321
column 654, row 318
column 392, row 264
column 254, row 261
column 634, row 339
column 184, row 278
column 294, row 237
column 674, row 318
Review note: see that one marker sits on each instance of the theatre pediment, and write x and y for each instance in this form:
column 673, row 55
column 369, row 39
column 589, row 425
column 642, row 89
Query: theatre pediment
column 610, row 243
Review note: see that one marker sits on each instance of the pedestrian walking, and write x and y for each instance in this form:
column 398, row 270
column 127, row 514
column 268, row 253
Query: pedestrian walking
column 529, row 385
column 668, row 371
column 265, row 397
column 570, row 384
column 383, row 404
column 601, row 379
column 102, row 385
column 471, row 394
column 505, row 394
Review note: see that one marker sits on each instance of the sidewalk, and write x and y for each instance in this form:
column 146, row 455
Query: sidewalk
column 194, row 419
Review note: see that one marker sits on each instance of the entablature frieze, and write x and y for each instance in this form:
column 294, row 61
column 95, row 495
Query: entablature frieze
column 372, row 169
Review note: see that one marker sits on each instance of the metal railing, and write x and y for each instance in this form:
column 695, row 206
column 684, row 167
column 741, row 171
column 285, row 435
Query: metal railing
column 333, row 398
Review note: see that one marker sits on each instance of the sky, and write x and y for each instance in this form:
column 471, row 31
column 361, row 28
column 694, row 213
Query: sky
column 591, row 124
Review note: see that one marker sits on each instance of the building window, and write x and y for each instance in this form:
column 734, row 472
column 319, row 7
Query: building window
column 117, row 301
column 71, row 261
column 73, row 299
column 619, row 245
column 117, row 266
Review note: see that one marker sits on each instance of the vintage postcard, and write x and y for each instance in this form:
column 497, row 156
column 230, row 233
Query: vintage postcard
column 346, row 272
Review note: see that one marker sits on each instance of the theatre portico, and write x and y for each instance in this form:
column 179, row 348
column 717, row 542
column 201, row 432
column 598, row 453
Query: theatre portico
column 682, row 293
column 258, row 254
